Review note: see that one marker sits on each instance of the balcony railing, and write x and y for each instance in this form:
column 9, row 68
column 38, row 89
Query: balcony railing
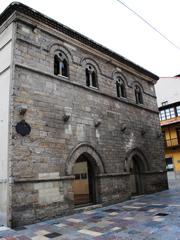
column 173, row 142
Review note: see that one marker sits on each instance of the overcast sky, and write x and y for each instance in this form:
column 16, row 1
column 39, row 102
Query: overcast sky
column 114, row 26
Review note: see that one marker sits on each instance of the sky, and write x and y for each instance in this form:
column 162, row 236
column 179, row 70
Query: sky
column 111, row 24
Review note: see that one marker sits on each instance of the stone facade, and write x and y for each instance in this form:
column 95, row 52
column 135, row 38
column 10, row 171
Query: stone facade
column 40, row 165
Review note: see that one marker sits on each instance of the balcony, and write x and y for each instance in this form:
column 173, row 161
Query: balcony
column 173, row 142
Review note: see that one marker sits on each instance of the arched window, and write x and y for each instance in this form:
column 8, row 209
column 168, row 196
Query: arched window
column 120, row 87
column 60, row 65
column 138, row 95
column 91, row 76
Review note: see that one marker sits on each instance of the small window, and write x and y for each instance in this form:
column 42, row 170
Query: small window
column 162, row 115
column 77, row 176
column 60, row 65
column 178, row 111
column 172, row 112
column 120, row 87
column 91, row 77
column 169, row 164
column 138, row 95
column 167, row 114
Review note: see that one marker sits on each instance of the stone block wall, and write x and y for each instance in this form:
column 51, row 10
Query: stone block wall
column 37, row 200
column 42, row 185
column 51, row 140
column 155, row 182
column 114, row 188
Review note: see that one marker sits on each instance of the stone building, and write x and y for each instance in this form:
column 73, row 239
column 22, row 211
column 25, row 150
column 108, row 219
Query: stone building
column 78, row 123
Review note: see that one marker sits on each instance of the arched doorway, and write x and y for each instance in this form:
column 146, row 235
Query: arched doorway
column 92, row 164
column 136, row 164
column 135, row 176
column 84, row 184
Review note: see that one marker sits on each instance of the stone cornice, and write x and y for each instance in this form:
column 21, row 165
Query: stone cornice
column 37, row 180
column 71, row 177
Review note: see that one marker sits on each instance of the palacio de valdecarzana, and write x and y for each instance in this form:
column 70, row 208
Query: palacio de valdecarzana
column 79, row 124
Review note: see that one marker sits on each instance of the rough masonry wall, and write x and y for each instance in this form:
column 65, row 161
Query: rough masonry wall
column 41, row 157
column 48, row 99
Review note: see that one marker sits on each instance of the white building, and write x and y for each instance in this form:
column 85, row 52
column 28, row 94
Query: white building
column 168, row 90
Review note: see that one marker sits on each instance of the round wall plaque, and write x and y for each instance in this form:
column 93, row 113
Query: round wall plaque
column 23, row 128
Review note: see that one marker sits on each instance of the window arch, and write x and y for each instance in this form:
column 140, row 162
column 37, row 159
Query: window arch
column 138, row 94
column 91, row 76
column 60, row 64
column 120, row 87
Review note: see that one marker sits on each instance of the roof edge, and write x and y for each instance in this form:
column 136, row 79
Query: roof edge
column 17, row 6
column 173, row 104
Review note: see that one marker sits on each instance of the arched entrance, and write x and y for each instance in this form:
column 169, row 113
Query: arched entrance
column 84, row 162
column 136, row 164
column 135, row 177
column 84, row 184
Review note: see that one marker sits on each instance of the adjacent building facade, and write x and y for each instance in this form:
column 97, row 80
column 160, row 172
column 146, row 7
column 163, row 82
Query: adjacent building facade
column 170, row 124
column 167, row 90
column 79, row 124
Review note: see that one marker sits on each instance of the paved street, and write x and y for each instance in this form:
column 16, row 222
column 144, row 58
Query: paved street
column 155, row 216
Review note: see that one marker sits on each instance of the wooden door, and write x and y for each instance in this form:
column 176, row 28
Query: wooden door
column 81, row 183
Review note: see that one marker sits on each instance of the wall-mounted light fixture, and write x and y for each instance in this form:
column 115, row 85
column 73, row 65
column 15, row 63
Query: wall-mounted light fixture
column 97, row 123
column 143, row 132
column 66, row 117
column 67, row 114
column 22, row 109
column 123, row 127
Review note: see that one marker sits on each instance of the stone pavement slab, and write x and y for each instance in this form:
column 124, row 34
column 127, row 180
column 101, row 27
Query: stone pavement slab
column 150, row 217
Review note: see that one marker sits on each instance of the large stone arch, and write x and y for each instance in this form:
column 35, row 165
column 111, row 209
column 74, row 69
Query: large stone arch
column 143, row 162
column 88, row 150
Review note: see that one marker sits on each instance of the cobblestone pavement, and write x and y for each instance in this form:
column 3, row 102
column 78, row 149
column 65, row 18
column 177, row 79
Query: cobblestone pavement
column 149, row 217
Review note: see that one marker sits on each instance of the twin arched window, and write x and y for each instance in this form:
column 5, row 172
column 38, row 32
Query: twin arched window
column 120, row 87
column 61, row 69
column 60, row 65
column 121, row 90
column 91, row 76
column 138, row 95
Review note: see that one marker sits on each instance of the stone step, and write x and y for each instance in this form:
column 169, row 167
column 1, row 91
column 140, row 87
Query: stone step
column 86, row 208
